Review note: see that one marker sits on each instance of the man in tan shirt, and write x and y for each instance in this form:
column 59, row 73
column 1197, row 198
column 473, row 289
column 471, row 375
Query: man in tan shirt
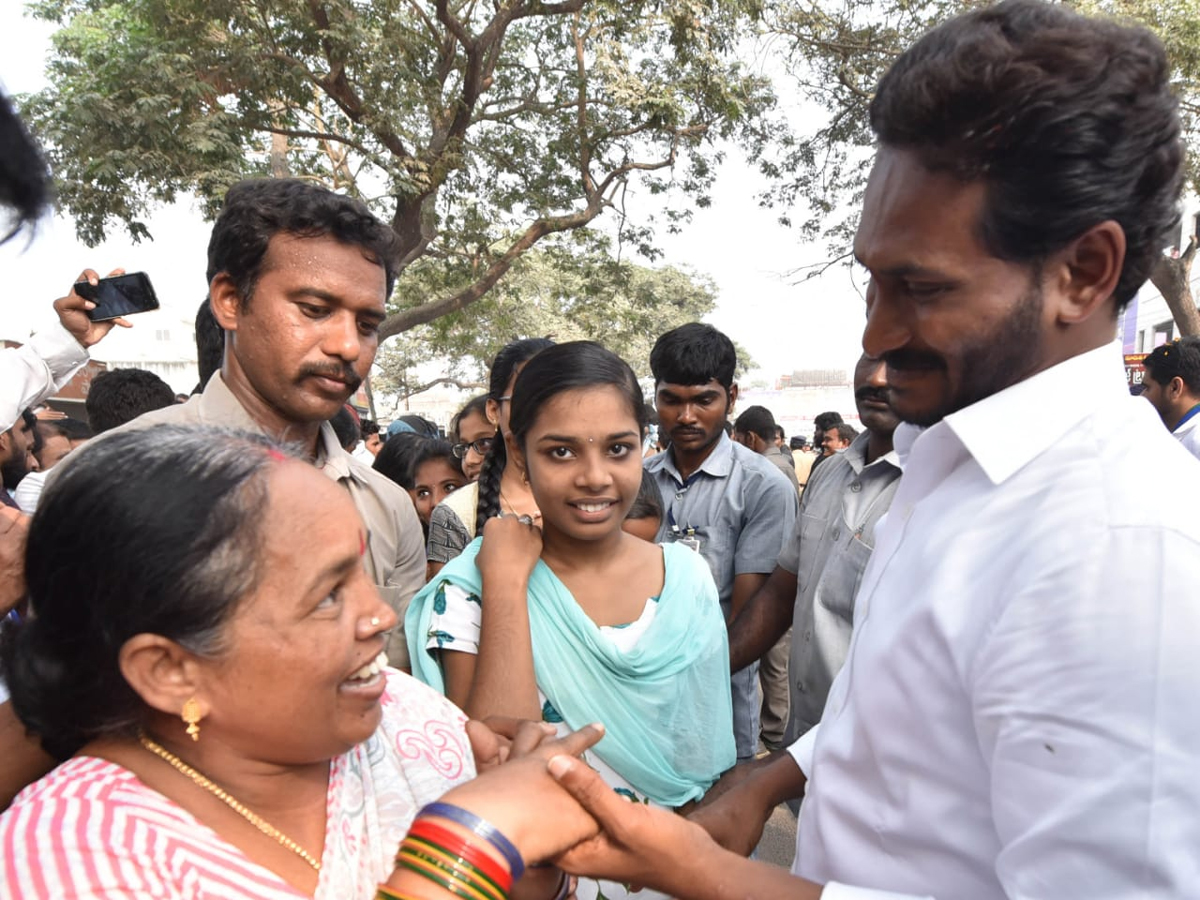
column 298, row 279
column 803, row 458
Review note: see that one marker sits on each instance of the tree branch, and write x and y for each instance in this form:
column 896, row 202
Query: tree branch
column 550, row 9
column 427, row 312
column 585, row 150
column 816, row 269
column 455, row 27
column 413, row 390
column 322, row 136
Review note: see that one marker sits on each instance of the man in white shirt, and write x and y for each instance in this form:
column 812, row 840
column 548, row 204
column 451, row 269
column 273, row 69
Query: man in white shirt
column 1017, row 714
column 1172, row 385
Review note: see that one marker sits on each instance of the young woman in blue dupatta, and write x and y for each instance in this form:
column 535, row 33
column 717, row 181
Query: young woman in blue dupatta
column 579, row 621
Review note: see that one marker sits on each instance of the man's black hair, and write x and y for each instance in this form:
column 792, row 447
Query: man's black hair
column 121, row 395
column 756, row 420
column 846, row 431
column 210, row 344
column 71, row 429
column 24, row 178
column 345, row 426
column 798, row 442
column 1069, row 120
column 258, row 209
column 368, row 427
column 827, row 420
column 693, row 354
column 16, row 467
column 1176, row 359
column 39, row 440
column 74, row 429
column 648, row 502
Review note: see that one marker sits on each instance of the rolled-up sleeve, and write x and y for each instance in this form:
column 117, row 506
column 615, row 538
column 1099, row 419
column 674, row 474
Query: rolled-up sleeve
column 35, row 371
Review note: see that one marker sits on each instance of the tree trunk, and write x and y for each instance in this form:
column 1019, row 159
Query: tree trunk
column 1172, row 277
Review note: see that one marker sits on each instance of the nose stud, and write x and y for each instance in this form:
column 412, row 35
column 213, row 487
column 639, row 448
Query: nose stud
column 374, row 621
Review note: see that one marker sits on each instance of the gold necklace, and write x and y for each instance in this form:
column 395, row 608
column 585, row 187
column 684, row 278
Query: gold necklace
column 253, row 818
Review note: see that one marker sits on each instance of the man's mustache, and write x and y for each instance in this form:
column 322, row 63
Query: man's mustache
column 339, row 373
column 871, row 393
column 903, row 360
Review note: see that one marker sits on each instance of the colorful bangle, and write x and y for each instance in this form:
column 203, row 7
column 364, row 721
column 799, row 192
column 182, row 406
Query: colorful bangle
column 383, row 892
column 455, row 886
column 453, row 866
column 484, row 829
column 432, row 834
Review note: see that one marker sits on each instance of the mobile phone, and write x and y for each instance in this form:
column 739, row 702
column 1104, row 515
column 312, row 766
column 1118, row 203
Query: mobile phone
column 121, row 295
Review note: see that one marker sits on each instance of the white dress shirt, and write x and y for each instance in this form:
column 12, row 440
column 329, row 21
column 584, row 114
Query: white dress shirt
column 1019, row 715
column 29, row 492
column 1188, row 434
column 34, row 371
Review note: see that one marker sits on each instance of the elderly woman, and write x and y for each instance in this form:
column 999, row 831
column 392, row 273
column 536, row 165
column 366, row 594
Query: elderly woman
column 206, row 654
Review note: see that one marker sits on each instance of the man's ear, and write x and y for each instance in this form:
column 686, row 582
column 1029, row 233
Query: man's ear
column 1088, row 272
column 225, row 301
column 162, row 673
column 6, row 446
column 1175, row 388
column 732, row 402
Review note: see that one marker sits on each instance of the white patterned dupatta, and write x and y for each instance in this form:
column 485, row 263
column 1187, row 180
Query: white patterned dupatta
column 418, row 753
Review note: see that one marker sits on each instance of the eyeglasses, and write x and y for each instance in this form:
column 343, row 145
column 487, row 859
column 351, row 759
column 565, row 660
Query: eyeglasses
column 481, row 446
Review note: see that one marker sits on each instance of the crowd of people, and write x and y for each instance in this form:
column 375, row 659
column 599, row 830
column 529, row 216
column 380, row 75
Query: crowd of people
column 256, row 647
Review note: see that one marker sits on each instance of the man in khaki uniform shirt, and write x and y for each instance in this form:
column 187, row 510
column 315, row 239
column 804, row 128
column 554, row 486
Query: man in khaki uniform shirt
column 298, row 279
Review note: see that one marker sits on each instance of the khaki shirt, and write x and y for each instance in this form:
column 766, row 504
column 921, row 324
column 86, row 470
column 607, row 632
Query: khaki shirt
column 395, row 556
column 804, row 463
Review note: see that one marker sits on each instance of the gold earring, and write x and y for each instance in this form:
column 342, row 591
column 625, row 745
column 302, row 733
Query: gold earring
column 191, row 715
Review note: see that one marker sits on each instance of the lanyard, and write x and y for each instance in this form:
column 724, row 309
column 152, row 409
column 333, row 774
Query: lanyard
column 687, row 483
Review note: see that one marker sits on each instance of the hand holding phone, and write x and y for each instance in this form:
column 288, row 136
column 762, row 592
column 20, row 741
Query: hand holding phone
column 118, row 295
column 73, row 311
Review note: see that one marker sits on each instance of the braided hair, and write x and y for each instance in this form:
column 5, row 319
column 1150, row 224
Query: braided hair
column 503, row 368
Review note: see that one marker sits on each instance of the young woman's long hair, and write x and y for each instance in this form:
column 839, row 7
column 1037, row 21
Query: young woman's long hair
column 505, row 363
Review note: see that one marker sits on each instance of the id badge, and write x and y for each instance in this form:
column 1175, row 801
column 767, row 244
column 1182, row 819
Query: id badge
column 690, row 540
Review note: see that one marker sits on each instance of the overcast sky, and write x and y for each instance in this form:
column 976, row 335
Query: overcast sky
column 814, row 324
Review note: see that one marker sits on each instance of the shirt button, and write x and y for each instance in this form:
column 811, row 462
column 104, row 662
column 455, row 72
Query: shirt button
column 837, row 533
column 856, row 486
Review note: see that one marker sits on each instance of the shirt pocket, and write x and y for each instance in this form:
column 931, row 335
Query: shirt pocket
column 841, row 576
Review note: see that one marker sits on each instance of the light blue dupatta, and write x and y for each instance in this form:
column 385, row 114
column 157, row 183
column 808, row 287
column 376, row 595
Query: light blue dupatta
column 665, row 704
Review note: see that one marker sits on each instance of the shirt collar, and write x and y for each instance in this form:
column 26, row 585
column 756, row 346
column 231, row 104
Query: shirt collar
column 994, row 430
column 856, row 454
column 219, row 405
column 332, row 457
column 719, row 463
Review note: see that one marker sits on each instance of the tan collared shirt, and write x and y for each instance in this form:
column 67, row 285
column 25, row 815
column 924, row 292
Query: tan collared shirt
column 395, row 555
